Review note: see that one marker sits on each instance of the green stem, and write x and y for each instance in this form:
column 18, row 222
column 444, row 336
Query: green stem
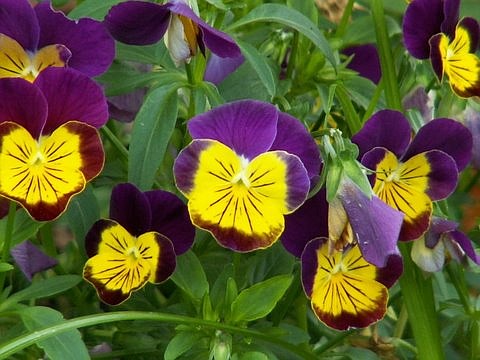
column 342, row 27
column 21, row 342
column 373, row 104
column 191, row 81
column 455, row 272
column 392, row 92
column 115, row 141
column 293, row 56
column 7, row 241
column 333, row 342
column 351, row 117
column 446, row 104
column 401, row 323
column 418, row 296
column 46, row 238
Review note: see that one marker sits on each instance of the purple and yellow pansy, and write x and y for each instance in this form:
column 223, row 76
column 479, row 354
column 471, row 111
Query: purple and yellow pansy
column 247, row 166
column 143, row 23
column 410, row 174
column 49, row 145
column 432, row 29
column 138, row 243
column 347, row 283
column 32, row 39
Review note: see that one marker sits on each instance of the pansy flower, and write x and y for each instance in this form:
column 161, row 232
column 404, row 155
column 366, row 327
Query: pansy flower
column 30, row 259
column 347, row 285
column 144, row 23
column 49, row 145
column 32, row 39
column 442, row 240
column 247, row 166
column 365, row 61
column 138, row 243
column 432, row 29
column 410, row 174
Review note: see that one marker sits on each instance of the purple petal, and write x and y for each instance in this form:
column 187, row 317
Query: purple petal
column 473, row 28
column 438, row 226
column 23, row 103
column 131, row 209
column 170, row 217
column 365, row 61
column 446, row 135
column 92, row 47
column 65, row 91
column 436, row 56
column 18, row 21
column 386, row 128
column 310, row 264
column 167, row 260
column 422, row 20
column 375, row 224
column 219, row 68
column 218, row 42
column 466, row 245
column 186, row 164
column 443, row 175
column 30, row 259
column 308, row 222
column 138, row 22
column 294, row 138
column 451, row 12
column 392, row 270
column 298, row 182
column 248, row 127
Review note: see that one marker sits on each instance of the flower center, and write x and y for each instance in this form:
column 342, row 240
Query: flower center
column 241, row 178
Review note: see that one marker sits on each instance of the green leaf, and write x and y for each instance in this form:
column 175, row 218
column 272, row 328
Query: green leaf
column 152, row 129
column 190, row 277
column 260, row 65
column 289, row 17
column 92, row 8
column 334, row 176
column 254, row 355
column 48, row 287
column 181, row 343
column 67, row 345
column 82, row 213
column 259, row 300
column 213, row 96
column 147, row 54
column 4, row 267
column 24, row 227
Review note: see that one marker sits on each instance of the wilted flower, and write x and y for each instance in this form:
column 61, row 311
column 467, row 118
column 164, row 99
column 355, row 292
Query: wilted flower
column 432, row 29
column 32, row 39
column 247, row 166
column 143, row 23
column 138, row 244
column 410, row 175
column 50, row 147
column 441, row 241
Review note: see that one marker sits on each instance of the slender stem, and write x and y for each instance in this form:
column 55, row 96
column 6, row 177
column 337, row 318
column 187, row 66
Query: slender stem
column 445, row 105
column 191, row 81
column 373, row 103
column 7, row 241
column 21, row 342
column 392, row 92
column 293, row 56
column 347, row 13
column 457, row 277
column 46, row 238
column 333, row 342
column 417, row 292
column 115, row 141
column 401, row 322
column 351, row 117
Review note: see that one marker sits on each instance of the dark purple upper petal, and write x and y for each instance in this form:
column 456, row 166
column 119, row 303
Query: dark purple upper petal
column 170, row 217
column 365, row 61
column 92, row 47
column 18, row 21
column 294, row 138
column 71, row 95
column 446, row 135
column 218, row 42
column 131, row 209
column 23, row 103
column 308, row 222
column 30, row 259
column 451, row 12
column 375, row 225
column 422, row 20
column 138, row 22
column 219, row 68
column 248, row 127
column 386, row 128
